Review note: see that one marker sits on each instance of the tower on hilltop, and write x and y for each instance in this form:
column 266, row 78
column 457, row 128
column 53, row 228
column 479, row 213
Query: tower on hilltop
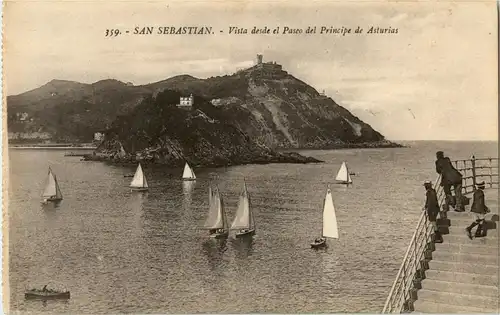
column 259, row 59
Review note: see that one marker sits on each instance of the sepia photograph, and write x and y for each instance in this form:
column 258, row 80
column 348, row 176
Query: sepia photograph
column 185, row 157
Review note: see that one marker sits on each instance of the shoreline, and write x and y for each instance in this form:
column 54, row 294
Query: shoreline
column 60, row 146
column 345, row 146
column 280, row 158
column 50, row 148
column 88, row 146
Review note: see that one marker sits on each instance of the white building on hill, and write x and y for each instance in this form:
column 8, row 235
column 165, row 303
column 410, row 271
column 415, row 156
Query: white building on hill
column 186, row 102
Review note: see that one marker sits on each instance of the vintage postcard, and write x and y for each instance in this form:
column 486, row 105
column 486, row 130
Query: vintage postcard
column 250, row 157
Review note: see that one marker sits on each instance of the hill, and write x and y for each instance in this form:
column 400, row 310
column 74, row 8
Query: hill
column 265, row 102
column 71, row 111
column 157, row 131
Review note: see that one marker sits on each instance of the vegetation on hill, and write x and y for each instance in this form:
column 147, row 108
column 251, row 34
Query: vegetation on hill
column 157, row 131
column 272, row 107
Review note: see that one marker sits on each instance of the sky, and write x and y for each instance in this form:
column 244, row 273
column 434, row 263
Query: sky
column 436, row 79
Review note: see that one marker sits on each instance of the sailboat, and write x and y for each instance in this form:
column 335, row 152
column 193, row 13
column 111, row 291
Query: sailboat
column 188, row 173
column 139, row 182
column 343, row 176
column 52, row 192
column 244, row 221
column 330, row 228
column 216, row 222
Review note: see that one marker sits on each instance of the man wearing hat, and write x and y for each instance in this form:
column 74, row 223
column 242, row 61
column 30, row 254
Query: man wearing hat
column 432, row 208
column 450, row 177
column 479, row 209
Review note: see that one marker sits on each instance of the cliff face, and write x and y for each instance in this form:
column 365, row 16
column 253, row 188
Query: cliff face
column 265, row 102
column 282, row 111
column 156, row 131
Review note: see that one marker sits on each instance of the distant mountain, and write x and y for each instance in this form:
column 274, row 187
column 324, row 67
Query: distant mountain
column 264, row 102
column 72, row 111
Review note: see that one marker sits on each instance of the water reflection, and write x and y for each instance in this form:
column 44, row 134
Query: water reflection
column 136, row 203
column 187, row 190
column 187, row 187
column 50, row 205
column 214, row 250
column 53, row 215
column 243, row 246
column 46, row 303
column 330, row 268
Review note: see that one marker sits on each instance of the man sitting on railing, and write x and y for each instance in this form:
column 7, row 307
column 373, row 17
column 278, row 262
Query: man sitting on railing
column 450, row 177
column 432, row 208
column 479, row 209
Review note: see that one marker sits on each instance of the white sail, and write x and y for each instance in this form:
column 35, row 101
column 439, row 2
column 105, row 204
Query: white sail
column 223, row 213
column 244, row 218
column 330, row 228
column 210, row 195
column 58, row 190
column 216, row 215
column 52, row 189
column 139, row 180
column 188, row 172
column 343, row 174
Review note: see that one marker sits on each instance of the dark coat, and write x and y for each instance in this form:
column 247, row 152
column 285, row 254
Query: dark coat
column 478, row 205
column 431, row 204
column 449, row 174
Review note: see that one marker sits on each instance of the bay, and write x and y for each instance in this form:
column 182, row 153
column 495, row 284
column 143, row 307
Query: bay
column 120, row 251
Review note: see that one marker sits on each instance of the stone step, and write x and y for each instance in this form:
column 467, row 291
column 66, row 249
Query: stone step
column 491, row 227
column 469, row 215
column 463, row 223
column 467, row 248
column 471, row 300
column 424, row 306
column 463, row 267
column 462, row 277
column 453, row 231
column 465, row 216
column 464, row 239
column 464, row 257
column 461, row 288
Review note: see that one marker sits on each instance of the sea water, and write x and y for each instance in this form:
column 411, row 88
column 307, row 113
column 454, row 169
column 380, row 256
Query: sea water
column 123, row 251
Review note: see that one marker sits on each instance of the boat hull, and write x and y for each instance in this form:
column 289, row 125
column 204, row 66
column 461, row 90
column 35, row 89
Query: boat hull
column 189, row 179
column 244, row 234
column 219, row 235
column 344, row 183
column 53, row 200
column 139, row 189
column 317, row 245
column 31, row 295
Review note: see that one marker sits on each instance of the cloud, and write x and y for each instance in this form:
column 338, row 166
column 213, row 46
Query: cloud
column 441, row 64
